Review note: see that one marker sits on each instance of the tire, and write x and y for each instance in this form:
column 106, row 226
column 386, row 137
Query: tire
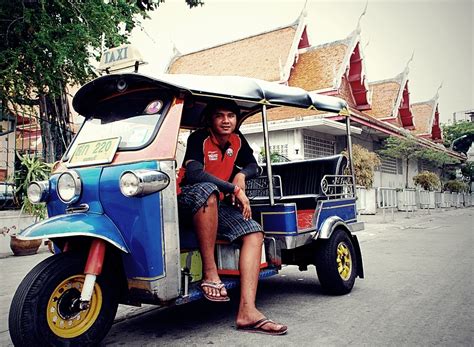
column 336, row 263
column 40, row 313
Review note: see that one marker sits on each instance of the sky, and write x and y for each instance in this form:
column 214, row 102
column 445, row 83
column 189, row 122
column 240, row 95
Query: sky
column 439, row 34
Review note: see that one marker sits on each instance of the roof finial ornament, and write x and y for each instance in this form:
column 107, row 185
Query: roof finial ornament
column 408, row 62
column 368, row 41
column 176, row 51
column 362, row 15
column 411, row 58
column 437, row 92
column 304, row 11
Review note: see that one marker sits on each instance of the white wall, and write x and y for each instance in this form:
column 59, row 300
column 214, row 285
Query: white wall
column 382, row 179
column 292, row 138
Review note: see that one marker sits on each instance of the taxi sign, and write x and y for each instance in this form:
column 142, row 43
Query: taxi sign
column 94, row 152
column 119, row 58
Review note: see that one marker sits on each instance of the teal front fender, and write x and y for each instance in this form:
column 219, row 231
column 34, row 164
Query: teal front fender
column 77, row 224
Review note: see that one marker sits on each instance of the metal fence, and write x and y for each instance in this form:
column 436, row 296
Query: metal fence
column 387, row 199
column 24, row 131
column 409, row 200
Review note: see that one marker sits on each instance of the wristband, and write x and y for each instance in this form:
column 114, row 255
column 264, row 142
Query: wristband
column 236, row 190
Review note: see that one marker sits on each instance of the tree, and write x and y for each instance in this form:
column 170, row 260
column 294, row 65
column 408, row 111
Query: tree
column 468, row 171
column 453, row 131
column 46, row 45
column 365, row 163
column 401, row 148
column 441, row 160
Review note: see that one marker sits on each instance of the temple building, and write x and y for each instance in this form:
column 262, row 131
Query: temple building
column 285, row 55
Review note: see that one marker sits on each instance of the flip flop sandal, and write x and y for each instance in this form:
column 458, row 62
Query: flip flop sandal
column 214, row 285
column 257, row 327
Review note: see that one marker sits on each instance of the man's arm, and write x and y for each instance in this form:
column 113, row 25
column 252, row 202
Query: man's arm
column 195, row 174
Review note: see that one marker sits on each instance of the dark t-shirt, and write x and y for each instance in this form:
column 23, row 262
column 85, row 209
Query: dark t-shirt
column 203, row 147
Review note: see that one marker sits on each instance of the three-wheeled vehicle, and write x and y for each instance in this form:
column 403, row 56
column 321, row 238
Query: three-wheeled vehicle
column 113, row 210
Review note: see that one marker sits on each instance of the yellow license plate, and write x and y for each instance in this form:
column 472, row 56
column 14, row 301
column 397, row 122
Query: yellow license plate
column 94, row 152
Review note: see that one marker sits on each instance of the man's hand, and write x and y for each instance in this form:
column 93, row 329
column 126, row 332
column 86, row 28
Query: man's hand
column 244, row 204
column 239, row 180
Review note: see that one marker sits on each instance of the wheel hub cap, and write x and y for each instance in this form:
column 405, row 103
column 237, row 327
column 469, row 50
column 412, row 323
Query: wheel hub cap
column 344, row 261
column 64, row 317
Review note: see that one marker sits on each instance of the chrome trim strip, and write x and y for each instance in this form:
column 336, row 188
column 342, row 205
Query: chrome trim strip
column 82, row 208
column 338, row 206
column 54, row 236
column 169, row 286
column 148, row 278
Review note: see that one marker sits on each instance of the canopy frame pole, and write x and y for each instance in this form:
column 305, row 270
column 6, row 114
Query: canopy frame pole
column 267, row 155
column 351, row 156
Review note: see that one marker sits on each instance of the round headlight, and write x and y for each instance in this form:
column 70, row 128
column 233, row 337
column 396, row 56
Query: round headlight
column 37, row 191
column 143, row 182
column 129, row 184
column 69, row 187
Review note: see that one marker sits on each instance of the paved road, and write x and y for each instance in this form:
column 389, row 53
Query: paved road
column 417, row 291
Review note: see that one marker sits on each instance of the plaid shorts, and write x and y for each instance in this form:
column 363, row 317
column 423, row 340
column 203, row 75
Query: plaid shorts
column 231, row 223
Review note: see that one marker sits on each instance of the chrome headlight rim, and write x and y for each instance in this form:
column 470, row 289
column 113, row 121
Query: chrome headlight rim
column 43, row 187
column 77, row 187
column 148, row 182
column 139, row 183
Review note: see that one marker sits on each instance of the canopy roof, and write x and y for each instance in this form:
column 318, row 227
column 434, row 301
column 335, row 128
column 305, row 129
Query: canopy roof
column 249, row 93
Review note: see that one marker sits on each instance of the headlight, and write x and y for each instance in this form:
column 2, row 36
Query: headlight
column 143, row 182
column 129, row 184
column 69, row 187
column 38, row 191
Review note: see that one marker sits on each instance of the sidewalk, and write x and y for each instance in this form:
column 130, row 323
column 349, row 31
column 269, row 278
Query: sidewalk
column 13, row 269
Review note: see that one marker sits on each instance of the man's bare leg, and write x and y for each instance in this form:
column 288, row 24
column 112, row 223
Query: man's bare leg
column 249, row 263
column 205, row 223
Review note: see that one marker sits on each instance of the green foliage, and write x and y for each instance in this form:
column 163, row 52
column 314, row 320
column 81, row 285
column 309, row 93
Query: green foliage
column 365, row 163
column 46, row 45
column 438, row 158
column 32, row 169
column 455, row 186
column 452, row 131
column 400, row 148
column 468, row 171
column 275, row 157
column 427, row 180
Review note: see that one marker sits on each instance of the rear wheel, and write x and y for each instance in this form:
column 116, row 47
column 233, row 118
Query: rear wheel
column 45, row 309
column 336, row 263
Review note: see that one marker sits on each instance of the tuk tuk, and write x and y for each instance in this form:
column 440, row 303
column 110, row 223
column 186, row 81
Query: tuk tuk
column 113, row 210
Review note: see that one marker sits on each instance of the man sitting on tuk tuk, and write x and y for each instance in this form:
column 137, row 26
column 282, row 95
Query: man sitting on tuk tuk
column 219, row 206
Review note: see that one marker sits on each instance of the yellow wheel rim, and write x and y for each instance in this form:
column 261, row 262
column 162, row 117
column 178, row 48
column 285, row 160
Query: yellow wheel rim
column 64, row 321
column 344, row 261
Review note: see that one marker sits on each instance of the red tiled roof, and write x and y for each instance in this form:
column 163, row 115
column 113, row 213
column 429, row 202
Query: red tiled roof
column 422, row 115
column 259, row 56
column 384, row 97
column 316, row 69
column 281, row 113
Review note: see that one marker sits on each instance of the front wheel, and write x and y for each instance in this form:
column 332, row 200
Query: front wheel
column 43, row 310
column 336, row 263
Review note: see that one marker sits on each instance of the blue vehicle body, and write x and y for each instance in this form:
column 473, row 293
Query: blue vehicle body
column 126, row 223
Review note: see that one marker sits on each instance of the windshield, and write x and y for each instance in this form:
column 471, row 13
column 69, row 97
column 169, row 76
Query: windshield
column 133, row 119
